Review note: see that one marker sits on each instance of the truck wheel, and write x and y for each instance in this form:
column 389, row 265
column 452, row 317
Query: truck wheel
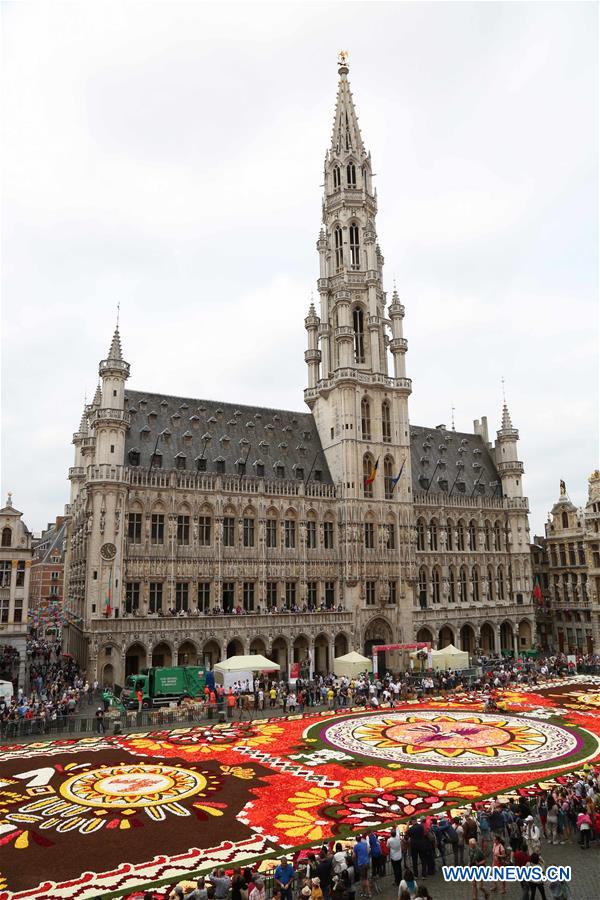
column 145, row 704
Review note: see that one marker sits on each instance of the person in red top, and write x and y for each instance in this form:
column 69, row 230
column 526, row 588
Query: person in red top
column 140, row 698
column 520, row 858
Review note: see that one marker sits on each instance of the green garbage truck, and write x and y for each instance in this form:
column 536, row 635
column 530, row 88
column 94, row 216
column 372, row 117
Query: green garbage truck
column 163, row 685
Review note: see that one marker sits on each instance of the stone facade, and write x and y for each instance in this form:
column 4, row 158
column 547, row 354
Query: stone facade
column 298, row 535
column 573, row 554
column 15, row 574
column 47, row 580
column 540, row 568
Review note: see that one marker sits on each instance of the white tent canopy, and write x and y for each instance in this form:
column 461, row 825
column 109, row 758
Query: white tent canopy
column 252, row 663
column 449, row 657
column 352, row 664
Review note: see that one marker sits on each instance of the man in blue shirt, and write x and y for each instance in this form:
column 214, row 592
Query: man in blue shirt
column 361, row 859
column 284, row 876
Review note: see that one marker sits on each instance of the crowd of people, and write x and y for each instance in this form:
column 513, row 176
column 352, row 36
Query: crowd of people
column 238, row 610
column 57, row 690
column 490, row 833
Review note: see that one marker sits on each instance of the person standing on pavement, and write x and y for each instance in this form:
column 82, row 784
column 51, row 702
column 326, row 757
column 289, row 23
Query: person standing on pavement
column 361, row 863
column 100, row 724
column 477, row 858
column 325, row 872
column 395, row 847
column 284, row 878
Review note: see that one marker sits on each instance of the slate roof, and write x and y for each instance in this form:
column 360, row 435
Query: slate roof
column 457, row 453
column 51, row 539
column 228, row 432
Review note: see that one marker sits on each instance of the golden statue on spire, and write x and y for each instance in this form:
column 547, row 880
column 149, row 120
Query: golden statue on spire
column 343, row 58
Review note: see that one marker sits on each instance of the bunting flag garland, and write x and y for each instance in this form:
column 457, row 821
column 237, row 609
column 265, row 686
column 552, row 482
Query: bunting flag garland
column 394, row 481
column 371, row 477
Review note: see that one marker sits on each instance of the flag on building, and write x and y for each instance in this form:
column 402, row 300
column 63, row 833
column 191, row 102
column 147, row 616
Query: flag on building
column 537, row 591
column 107, row 606
column 395, row 480
column 371, row 477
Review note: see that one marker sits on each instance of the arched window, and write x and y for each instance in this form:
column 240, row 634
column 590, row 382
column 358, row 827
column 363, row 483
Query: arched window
column 6, row 537
column 475, row 585
column 354, row 247
column 423, row 588
column 472, row 535
column 339, row 248
column 450, row 535
column 386, row 422
column 367, row 469
column 462, row 585
column 359, row 334
column 433, row 535
column 351, row 175
column 460, row 535
column 497, row 537
column 451, row 585
column 490, row 585
column 388, row 475
column 337, row 178
column 500, row 583
column 420, row 534
column 565, row 520
column 365, row 419
column 435, row 586
column 488, row 536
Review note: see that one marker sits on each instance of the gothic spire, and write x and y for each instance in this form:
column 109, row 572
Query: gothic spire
column 346, row 136
column 115, row 351
column 506, row 421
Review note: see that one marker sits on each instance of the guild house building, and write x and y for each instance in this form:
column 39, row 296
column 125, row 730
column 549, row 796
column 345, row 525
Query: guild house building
column 200, row 529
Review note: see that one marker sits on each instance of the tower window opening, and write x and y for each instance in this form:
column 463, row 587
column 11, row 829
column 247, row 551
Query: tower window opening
column 359, row 335
column 339, row 249
column 351, row 175
column 386, row 423
column 354, row 247
column 337, row 178
column 365, row 419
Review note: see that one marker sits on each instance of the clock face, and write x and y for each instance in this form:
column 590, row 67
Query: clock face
column 108, row 551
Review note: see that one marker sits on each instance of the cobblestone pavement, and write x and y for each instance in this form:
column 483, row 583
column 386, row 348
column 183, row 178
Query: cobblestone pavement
column 585, row 884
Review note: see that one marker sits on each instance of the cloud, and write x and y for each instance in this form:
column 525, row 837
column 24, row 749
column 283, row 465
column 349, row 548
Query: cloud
column 168, row 156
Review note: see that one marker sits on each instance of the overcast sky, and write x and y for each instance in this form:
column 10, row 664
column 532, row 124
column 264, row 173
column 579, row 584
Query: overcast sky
column 169, row 156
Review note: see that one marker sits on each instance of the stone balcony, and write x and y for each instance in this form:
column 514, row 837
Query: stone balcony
column 357, row 375
column 223, row 627
column 233, row 484
column 106, row 415
column 514, row 467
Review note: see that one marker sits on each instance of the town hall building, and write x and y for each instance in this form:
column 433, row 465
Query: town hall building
column 198, row 529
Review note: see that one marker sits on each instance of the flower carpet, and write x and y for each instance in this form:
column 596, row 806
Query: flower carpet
column 82, row 818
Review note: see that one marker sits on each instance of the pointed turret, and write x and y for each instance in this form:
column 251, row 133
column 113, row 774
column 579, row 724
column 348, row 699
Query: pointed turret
column 109, row 421
column 509, row 466
column 115, row 351
column 97, row 401
column 312, row 356
column 398, row 344
column 346, row 136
